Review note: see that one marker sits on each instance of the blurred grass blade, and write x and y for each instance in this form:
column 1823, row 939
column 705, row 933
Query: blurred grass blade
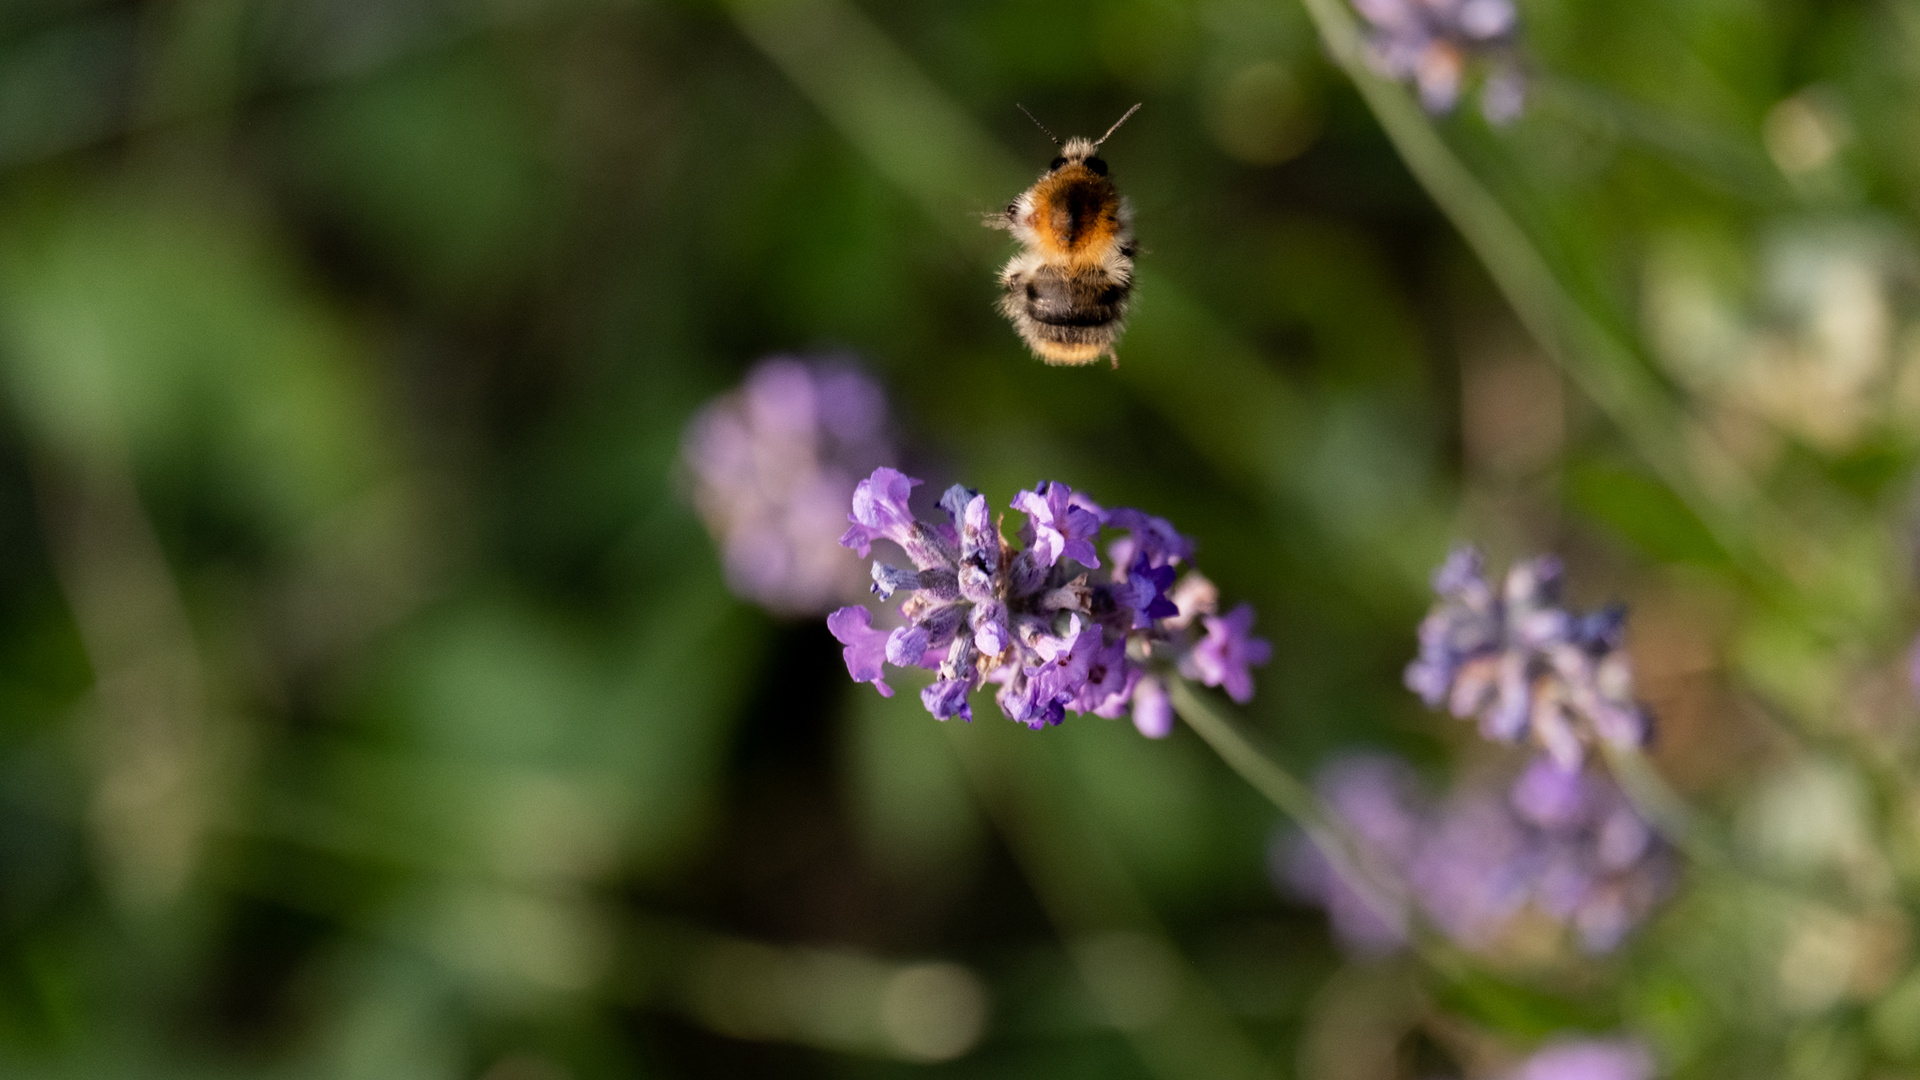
column 1605, row 369
column 875, row 94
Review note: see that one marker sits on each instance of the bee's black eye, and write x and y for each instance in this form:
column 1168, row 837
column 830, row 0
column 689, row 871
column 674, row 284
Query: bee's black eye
column 1057, row 163
column 1099, row 167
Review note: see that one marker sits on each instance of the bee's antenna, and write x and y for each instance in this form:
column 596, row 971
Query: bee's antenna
column 1041, row 126
column 1116, row 124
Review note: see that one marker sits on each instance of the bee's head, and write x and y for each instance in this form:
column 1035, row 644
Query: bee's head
column 1080, row 152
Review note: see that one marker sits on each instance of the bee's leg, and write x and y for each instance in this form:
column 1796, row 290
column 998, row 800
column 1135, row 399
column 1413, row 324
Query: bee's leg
column 1114, row 357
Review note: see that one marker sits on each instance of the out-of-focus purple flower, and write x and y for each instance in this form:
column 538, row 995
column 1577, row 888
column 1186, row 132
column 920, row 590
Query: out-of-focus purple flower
column 1476, row 867
column 1566, row 845
column 1602, row 870
column 772, row 465
column 1379, row 801
column 1034, row 620
column 1524, row 665
column 1430, row 43
column 1587, row 1059
column 1225, row 655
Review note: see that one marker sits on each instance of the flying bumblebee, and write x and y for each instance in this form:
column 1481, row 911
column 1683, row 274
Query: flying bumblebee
column 1067, row 290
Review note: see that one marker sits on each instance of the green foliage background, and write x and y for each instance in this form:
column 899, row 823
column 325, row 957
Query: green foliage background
column 370, row 701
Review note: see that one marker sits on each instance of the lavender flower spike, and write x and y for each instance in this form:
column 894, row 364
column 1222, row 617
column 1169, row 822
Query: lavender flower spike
column 1565, row 846
column 1035, row 620
column 770, row 467
column 1523, row 665
column 1431, row 43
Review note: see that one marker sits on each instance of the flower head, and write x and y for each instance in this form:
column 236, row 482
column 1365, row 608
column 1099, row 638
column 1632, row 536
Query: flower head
column 1036, row 620
column 772, row 465
column 1564, row 845
column 1430, row 43
column 1524, row 665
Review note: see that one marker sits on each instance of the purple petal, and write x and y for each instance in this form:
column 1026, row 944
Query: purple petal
column 907, row 645
column 866, row 647
column 1549, row 795
column 880, row 511
column 1152, row 711
column 1153, row 538
column 990, row 630
column 1111, row 680
column 947, row 699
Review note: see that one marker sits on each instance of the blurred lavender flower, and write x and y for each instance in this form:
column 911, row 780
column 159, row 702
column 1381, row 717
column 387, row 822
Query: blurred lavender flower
column 1379, row 799
column 1601, row 869
column 1587, row 1059
column 1476, row 866
column 1524, row 665
column 773, row 464
column 1032, row 619
column 1565, row 844
column 1430, row 43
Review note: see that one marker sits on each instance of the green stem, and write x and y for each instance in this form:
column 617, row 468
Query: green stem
column 1282, row 788
column 1298, row 801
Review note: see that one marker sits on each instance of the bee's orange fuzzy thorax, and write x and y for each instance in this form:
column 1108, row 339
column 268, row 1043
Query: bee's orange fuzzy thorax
column 1076, row 214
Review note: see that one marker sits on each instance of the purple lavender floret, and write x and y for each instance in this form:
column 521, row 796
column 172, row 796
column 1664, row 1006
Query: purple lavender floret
column 771, row 466
column 1224, row 657
column 1151, row 538
column 1430, row 43
column 1587, row 1059
column 1062, row 528
column 1035, row 620
column 1564, row 844
column 866, row 648
column 1522, row 664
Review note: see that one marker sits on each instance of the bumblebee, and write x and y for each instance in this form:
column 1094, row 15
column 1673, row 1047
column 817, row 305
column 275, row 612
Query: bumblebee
column 1066, row 292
